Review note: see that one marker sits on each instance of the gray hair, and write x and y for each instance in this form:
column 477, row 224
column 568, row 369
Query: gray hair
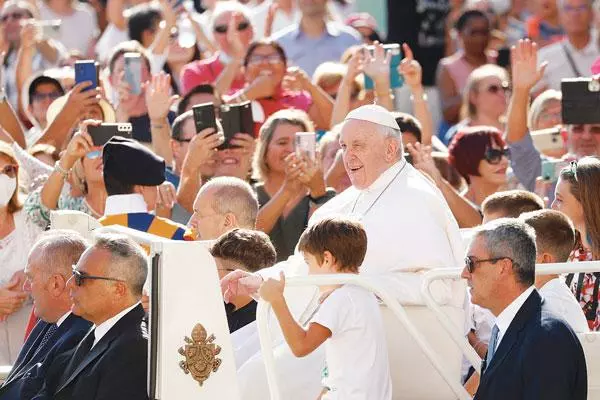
column 235, row 196
column 388, row 132
column 514, row 239
column 60, row 249
column 128, row 260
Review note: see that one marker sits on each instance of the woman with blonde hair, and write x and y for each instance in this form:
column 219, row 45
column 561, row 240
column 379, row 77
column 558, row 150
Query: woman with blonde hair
column 291, row 186
column 17, row 235
column 485, row 100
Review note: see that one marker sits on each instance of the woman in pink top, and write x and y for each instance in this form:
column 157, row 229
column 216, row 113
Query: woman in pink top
column 274, row 86
column 473, row 29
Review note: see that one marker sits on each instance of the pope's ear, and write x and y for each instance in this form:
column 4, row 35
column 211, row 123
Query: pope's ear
column 392, row 148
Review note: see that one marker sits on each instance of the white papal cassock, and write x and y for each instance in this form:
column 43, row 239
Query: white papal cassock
column 410, row 229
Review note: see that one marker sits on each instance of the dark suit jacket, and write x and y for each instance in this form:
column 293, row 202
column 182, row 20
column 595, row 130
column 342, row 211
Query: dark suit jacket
column 539, row 357
column 27, row 375
column 114, row 369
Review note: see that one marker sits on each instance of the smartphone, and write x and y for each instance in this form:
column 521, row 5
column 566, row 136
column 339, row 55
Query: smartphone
column 104, row 132
column 396, row 79
column 133, row 72
column 236, row 118
column 86, row 70
column 204, row 117
column 546, row 140
column 551, row 169
column 503, row 59
column 306, row 144
column 49, row 29
column 580, row 101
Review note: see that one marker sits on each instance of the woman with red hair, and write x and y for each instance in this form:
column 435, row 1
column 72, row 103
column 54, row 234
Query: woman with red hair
column 481, row 156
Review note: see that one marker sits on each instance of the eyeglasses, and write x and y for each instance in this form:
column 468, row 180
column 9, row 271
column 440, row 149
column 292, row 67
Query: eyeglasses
column 471, row 262
column 242, row 26
column 494, row 156
column 92, row 155
column 272, row 59
column 495, row 89
column 14, row 15
column 43, row 96
column 10, row 170
column 82, row 276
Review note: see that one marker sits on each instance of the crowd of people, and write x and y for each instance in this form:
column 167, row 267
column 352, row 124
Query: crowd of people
column 453, row 121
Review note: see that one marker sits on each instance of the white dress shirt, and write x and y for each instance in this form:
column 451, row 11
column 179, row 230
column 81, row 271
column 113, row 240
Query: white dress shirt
column 125, row 204
column 106, row 326
column 507, row 315
column 559, row 66
column 559, row 300
column 62, row 319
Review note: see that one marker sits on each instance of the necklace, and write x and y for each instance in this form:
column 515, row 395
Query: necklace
column 94, row 213
column 380, row 194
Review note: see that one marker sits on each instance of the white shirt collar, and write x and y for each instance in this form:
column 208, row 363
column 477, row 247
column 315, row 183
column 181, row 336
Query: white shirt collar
column 385, row 178
column 63, row 318
column 125, row 204
column 507, row 315
column 104, row 327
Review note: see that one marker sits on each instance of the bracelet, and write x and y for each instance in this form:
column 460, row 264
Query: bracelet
column 423, row 97
column 61, row 170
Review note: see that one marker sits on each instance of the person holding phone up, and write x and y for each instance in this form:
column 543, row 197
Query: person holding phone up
column 291, row 184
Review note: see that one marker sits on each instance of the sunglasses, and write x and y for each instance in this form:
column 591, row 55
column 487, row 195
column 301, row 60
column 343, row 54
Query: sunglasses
column 15, row 15
column 471, row 262
column 92, row 155
column 43, row 96
column 79, row 277
column 10, row 170
column 494, row 156
column 495, row 89
column 242, row 26
column 271, row 59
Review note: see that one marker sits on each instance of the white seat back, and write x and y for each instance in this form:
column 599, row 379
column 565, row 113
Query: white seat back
column 591, row 346
column 413, row 375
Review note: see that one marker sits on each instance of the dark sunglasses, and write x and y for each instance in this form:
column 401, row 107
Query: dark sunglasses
column 43, row 96
column 494, row 156
column 471, row 262
column 15, row 15
column 10, row 170
column 242, row 26
column 82, row 276
column 495, row 89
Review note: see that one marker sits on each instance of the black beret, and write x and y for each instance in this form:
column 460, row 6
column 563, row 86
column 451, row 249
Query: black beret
column 130, row 162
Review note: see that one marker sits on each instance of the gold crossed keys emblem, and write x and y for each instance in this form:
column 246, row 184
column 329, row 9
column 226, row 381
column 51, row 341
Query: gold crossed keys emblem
column 200, row 354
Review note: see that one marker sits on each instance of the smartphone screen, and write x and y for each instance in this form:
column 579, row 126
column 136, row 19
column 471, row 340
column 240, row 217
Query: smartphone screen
column 104, row 132
column 204, row 116
column 306, row 145
column 86, row 70
column 133, row 72
column 396, row 79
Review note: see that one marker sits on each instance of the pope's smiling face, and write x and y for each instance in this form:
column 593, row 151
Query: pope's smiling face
column 366, row 151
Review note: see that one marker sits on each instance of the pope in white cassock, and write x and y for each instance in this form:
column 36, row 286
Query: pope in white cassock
column 410, row 229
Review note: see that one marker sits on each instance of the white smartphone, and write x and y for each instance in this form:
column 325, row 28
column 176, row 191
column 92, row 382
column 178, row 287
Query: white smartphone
column 306, row 144
column 546, row 140
column 133, row 72
column 49, row 29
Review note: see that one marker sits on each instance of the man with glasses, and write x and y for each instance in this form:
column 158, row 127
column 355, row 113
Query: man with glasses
column 42, row 91
column 111, row 360
column 531, row 353
column 132, row 174
column 58, row 329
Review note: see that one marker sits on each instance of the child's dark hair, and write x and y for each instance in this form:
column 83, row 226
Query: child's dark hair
column 346, row 241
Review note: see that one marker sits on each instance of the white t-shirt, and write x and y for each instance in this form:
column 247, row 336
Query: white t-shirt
column 560, row 301
column 356, row 353
column 78, row 30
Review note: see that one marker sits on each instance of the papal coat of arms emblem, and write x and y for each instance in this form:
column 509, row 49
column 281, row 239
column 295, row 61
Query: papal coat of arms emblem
column 200, row 354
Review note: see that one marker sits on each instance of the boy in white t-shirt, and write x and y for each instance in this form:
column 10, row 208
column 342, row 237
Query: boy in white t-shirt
column 357, row 357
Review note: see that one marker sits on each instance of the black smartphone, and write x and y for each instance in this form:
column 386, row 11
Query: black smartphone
column 580, row 101
column 503, row 59
column 104, row 132
column 236, row 118
column 86, row 70
column 204, row 117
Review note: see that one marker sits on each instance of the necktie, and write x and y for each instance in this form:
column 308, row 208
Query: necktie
column 82, row 350
column 492, row 346
column 49, row 332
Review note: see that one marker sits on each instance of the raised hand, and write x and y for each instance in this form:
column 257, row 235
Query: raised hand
column 80, row 144
column 12, row 297
column 423, row 161
column 410, row 69
column 238, row 50
column 29, row 33
column 158, row 96
column 296, row 80
column 377, row 65
column 239, row 283
column 167, row 196
column 524, row 65
column 202, row 148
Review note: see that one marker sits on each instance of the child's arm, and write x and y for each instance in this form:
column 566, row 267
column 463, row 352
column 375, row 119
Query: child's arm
column 300, row 341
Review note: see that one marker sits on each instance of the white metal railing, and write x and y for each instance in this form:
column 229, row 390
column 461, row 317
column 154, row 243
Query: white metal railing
column 454, row 273
column 388, row 300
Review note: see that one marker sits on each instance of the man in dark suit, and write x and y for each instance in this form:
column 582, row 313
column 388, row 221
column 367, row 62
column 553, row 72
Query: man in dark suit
column 532, row 354
column 58, row 330
column 111, row 361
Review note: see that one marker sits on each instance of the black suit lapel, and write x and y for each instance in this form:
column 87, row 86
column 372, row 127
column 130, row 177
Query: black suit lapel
column 131, row 318
column 511, row 337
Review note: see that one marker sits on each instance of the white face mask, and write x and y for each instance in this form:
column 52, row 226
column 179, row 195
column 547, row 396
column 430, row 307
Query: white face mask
column 7, row 189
